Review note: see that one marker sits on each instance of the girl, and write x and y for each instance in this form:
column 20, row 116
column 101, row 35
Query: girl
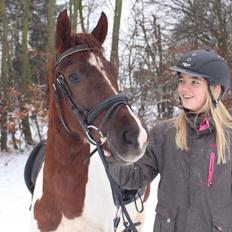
column 190, row 152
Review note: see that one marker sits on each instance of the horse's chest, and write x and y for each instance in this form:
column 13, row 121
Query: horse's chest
column 98, row 209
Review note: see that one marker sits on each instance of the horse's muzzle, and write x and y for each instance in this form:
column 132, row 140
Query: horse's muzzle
column 129, row 145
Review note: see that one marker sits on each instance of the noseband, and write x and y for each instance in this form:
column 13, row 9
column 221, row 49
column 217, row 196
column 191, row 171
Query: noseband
column 85, row 117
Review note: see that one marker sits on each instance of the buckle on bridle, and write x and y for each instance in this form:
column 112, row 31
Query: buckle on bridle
column 91, row 139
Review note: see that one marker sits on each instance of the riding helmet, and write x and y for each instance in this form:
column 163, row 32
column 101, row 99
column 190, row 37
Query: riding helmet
column 206, row 64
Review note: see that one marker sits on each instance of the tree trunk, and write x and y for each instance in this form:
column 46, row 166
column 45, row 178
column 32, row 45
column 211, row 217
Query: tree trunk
column 51, row 32
column 4, row 78
column 26, row 74
column 115, row 37
column 157, row 33
column 75, row 6
column 80, row 8
column 221, row 35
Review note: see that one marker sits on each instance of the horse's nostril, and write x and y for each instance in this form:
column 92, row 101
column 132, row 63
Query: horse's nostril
column 129, row 136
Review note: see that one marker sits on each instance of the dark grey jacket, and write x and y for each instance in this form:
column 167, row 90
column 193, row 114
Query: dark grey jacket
column 187, row 202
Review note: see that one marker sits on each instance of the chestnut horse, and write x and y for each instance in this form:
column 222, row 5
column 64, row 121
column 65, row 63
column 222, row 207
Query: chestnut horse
column 72, row 193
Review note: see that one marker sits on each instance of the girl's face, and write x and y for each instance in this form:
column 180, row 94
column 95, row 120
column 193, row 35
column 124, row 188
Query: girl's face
column 192, row 91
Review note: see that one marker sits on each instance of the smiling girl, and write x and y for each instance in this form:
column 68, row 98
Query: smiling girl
column 190, row 152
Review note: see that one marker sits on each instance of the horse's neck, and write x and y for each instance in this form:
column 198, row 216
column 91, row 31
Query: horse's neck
column 65, row 167
column 65, row 155
column 65, row 176
column 64, row 148
column 62, row 145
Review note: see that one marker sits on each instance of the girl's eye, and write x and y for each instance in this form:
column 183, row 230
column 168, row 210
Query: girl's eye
column 195, row 82
column 180, row 81
column 74, row 77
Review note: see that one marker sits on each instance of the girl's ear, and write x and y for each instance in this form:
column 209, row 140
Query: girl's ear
column 63, row 32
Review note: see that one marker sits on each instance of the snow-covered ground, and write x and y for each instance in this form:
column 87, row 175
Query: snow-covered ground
column 15, row 198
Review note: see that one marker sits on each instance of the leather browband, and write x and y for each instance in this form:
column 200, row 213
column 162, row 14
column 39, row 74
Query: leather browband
column 70, row 51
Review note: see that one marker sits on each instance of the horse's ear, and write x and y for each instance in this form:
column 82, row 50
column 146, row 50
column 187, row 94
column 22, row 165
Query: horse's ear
column 100, row 31
column 63, row 32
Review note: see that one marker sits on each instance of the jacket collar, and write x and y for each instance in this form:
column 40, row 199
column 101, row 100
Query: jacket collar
column 199, row 124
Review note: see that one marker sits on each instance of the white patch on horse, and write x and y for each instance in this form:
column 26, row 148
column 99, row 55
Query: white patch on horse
column 96, row 62
column 99, row 209
column 38, row 192
column 99, row 196
column 142, row 138
column 77, row 224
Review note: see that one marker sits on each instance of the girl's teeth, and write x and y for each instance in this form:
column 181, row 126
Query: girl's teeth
column 186, row 96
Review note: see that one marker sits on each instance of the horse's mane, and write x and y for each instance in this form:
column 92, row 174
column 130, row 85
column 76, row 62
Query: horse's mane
column 86, row 39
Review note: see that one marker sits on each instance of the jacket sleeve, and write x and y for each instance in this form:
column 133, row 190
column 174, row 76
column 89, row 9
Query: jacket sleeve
column 140, row 173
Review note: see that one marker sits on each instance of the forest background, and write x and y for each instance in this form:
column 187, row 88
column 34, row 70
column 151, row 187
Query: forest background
column 145, row 37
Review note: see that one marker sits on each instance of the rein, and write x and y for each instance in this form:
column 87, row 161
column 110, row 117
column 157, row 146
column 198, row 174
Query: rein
column 117, row 196
column 86, row 118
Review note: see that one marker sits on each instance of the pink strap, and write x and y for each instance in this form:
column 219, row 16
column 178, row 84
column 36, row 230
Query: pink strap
column 211, row 168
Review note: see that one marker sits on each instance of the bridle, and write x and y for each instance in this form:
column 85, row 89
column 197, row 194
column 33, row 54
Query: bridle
column 110, row 106
column 85, row 117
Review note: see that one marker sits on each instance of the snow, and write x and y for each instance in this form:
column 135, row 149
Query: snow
column 15, row 199
column 14, row 196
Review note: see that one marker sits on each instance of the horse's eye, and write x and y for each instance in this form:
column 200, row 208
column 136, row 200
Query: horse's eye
column 74, row 77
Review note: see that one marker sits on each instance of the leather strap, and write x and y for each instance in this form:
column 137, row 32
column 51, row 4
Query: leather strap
column 70, row 51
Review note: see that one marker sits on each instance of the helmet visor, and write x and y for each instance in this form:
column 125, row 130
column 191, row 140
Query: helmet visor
column 187, row 71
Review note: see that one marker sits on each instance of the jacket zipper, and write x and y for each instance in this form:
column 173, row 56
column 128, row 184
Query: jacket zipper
column 218, row 228
column 211, row 169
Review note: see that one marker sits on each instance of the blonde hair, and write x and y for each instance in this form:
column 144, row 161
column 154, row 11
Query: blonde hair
column 222, row 120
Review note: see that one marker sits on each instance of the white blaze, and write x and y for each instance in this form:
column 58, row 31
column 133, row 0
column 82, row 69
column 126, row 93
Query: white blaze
column 96, row 62
column 142, row 138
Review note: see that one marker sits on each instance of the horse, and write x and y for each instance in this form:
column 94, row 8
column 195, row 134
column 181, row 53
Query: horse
column 72, row 191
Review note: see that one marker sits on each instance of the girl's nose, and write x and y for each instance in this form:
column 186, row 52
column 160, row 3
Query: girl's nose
column 186, row 85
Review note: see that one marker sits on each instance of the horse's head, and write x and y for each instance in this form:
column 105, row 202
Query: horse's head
column 88, row 101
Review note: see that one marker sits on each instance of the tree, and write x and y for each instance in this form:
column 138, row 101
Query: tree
column 115, row 38
column 76, row 7
column 80, row 7
column 4, row 78
column 74, row 13
column 38, row 41
column 51, row 26
column 26, row 74
column 144, row 73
